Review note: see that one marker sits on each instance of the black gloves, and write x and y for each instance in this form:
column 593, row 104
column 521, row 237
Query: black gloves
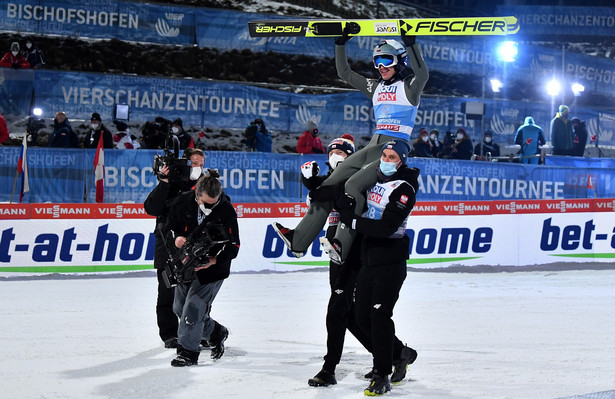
column 341, row 40
column 345, row 206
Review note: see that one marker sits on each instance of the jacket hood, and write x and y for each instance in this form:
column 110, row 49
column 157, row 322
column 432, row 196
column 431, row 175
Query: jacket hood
column 529, row 120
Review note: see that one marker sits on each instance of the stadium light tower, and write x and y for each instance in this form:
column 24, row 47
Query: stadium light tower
column 507, row 51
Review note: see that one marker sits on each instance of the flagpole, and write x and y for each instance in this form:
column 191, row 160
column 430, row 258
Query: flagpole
column 14, row 183
column 85, row 194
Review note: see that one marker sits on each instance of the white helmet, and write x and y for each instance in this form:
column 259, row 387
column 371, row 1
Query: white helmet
column 390, row 53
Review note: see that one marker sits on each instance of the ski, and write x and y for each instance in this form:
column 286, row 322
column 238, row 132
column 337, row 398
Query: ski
column 385, row 27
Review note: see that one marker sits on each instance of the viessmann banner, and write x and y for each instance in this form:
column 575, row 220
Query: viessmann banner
column 65, row 176
column 75, row 238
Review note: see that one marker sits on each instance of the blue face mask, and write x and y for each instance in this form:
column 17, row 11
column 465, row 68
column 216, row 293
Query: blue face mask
column 388, row 168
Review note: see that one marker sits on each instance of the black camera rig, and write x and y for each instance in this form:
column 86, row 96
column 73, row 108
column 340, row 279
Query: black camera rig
column 179, row 168
column 207, row 240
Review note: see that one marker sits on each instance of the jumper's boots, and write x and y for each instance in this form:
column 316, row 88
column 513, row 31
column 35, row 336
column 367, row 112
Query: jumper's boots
column 324, row 378
column 216, row 341
column 379, row 385
column 185, row 358
column 286, row 235
column 407, row 357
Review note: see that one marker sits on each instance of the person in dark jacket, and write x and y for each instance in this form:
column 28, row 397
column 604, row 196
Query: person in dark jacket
column 436, row 144
column 462, row 148
column 257, row 137
column 185, row 140
column 561, row 132
column 190, row 214
column 156, row 204
column 580, row 137
column 421, row 148
column 96, row 129
column 487, row 149
column 384, row 251
column 63, row 134
column 34, row 55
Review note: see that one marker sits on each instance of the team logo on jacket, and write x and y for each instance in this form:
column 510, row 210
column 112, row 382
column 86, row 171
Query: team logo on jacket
column 403, row 199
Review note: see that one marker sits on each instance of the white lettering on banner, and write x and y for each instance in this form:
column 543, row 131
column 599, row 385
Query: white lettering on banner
column 252, row 178
column 591, row 73
column 441, row 118
column 12, row 211
column 599, row 21
column 56, row 210
column 165, row 101
column 491, row 188
column 128, row 177
column 360, row 113
column 459, row 55
column 71, row 16
column 513, row 207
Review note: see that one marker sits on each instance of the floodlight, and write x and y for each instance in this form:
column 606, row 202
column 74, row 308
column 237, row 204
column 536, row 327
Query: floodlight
column 496, row 85
column 37, row 111
column 554, row 87
column 507, row 51
column 577, row 88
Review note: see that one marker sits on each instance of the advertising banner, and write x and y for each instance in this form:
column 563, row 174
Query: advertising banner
column 101, row 19
column 75, row 238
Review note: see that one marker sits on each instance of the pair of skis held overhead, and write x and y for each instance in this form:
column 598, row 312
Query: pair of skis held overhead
column 385, row 27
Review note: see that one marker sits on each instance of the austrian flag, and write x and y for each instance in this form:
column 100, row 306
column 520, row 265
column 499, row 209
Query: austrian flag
column 99, row 170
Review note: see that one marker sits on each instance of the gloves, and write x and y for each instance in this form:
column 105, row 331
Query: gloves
column 341, row 40
column 310, row 169
column 345, row 206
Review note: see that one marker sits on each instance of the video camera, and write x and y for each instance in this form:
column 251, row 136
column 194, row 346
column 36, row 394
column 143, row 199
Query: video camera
column 179, row 168
column 203, row 242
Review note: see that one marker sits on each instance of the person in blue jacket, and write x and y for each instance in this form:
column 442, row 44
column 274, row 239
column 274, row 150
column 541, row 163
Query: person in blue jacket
column 530, row 137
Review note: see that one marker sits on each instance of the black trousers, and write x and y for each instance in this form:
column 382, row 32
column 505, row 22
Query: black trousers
column 376, row 293
column 166, row 318
column 340, row 314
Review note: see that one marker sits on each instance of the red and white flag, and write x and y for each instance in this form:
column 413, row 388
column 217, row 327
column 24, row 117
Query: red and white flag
column 99, row 171
column 22, row 169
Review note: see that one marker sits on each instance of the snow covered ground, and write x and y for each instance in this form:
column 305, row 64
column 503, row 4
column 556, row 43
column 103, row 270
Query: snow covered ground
column 490, row 335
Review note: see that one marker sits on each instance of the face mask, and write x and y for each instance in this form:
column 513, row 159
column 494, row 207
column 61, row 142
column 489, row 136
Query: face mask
column 206, row 211
column 459, row 136
column 425, row 138
column 195, row 172
column 15, row 53
column 434, row 137
column 28, row 45
column 94, row 126
column 175, row 130
column 335, row 160
column 388, row 168
column 487, row 139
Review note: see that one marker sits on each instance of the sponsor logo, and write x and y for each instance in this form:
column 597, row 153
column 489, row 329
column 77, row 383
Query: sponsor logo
column 165, row 30
column 278, row 29
column 387, row 96
column 571, row 237
column 386, row 28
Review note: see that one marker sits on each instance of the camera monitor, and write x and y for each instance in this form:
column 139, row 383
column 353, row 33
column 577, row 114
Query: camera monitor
column 121, row 112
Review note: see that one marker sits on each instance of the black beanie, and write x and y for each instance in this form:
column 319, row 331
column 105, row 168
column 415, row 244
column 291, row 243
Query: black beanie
column 95, row 117
column 178, row 122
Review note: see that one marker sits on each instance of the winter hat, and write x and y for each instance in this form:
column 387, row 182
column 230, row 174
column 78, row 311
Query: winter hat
column 423, row 131
column 178, row 122
column 435, row 131
column 348, row 136
column 488, row 133
column 529, row 120
column 563, row 108
column 575, row 120
column 461, row 130
column 341, row 144
column 95, row 117
column 400, row 147
column 311, row 125
column 14, row 46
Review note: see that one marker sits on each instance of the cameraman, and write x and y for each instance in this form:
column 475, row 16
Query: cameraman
column 156, row 205
column 189, row 211
column 257, row 137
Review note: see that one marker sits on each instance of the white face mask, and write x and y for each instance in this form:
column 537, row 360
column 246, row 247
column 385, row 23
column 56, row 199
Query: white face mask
column 487, row 139
column 196, row 172
column 425, row 138
column 335, row 159
column 206, row 211
column 15, row 53
column 94, row 126
column 434, row 137
column 459, row 136
column 175, row 129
